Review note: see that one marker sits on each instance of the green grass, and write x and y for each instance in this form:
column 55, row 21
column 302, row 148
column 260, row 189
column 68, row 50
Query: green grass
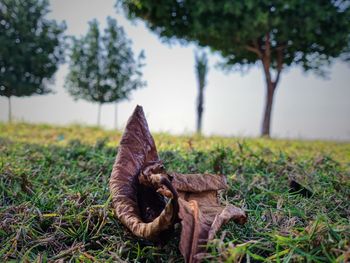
column 55, row 204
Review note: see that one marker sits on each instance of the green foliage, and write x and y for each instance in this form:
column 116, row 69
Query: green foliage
column 31, row 47
column 55, row 202
column 102, row 67
column 307, row 33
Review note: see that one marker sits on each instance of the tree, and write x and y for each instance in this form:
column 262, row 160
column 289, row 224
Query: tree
column 102, row 67
column 201, row 67
column 31, row 47
column 277, row 34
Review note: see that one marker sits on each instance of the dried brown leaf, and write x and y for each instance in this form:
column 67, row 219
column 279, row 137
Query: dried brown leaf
column 149, row 201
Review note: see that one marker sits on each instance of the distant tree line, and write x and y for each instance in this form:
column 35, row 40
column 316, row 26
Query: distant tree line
column 103, row 68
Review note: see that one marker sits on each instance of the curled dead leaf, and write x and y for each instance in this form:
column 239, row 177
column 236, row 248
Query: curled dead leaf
column 149, row 201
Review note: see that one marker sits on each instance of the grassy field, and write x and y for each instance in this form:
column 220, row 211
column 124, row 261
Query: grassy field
column 55, row 205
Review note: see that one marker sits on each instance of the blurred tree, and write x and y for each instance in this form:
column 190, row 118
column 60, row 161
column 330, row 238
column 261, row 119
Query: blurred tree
column 201, row 66
column 103, row 68
column 31, row 47
column 277, row 34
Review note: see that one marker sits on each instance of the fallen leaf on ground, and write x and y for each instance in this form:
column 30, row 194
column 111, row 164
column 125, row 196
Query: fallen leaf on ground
column 149, row 201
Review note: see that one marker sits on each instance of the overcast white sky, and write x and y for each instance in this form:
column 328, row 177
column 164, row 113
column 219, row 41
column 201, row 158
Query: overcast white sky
column 306, row 106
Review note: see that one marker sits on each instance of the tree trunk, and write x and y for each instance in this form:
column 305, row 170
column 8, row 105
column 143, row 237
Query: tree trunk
column 99, row 114
column 200, row 102
column 10, row 110
column 271, row 83
column 270, row 91
column 116, row 116
column 262, row 48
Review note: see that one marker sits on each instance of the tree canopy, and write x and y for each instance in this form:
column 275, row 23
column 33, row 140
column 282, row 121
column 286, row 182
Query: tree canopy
column 277, row 33
column 31, row 47
column 308, row 32
column 103, row 68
